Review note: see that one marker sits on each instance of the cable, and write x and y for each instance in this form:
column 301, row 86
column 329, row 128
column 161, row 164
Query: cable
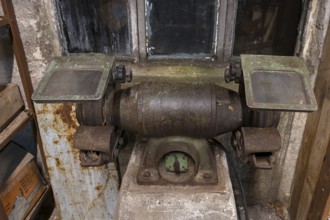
column 231, row 162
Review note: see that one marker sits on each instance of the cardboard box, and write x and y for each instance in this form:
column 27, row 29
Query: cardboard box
column 21, row 184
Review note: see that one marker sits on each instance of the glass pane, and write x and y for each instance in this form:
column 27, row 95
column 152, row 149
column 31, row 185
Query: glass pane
column 180, row 27
column 268, row 27
column 95, row 26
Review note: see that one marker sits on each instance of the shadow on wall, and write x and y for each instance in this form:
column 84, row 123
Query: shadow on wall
column 6, row 57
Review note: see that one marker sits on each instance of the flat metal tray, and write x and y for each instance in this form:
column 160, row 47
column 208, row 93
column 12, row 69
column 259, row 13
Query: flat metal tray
column 277, row 82
column 75, row 79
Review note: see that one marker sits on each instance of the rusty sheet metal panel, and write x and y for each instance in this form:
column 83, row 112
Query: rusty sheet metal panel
column 80, row 192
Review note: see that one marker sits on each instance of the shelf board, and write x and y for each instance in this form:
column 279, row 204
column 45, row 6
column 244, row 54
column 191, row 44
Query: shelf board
column 13, row 127
column 32, row 214
column 3, row 21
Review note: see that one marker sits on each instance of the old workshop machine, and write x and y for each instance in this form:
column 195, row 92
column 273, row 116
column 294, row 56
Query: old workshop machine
column 176, row 167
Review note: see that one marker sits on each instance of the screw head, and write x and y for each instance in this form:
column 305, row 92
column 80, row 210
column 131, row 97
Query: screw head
column 207, row 176
column 146, row 174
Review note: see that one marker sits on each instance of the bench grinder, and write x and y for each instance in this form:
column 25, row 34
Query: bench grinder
column 175, row 122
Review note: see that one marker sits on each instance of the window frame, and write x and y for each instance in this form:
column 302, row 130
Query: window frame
column 223, row 34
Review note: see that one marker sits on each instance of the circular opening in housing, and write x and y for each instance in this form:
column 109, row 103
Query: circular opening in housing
column 177, row 167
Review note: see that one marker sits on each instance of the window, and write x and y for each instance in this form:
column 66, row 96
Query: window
column 179, row 29
column 95, row 26
column 267, row 27
column 183, row 28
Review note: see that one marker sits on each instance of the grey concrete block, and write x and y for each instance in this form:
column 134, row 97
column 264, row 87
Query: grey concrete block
column 173, row 201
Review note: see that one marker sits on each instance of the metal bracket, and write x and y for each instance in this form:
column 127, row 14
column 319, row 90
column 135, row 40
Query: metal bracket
column 257, row 145
column 95, row 144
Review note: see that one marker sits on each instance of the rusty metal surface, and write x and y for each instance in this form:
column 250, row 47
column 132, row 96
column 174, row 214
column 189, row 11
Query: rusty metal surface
column 260, row 140
column 277, row 82
column 79, row 192
column 93, row 158
column 94, row 143
column 257, row 145
column 90, row 113
column 75, row 79
column 94, row 138
column 201, row 172
column 96, row 113
column 164, row 109
column 264, row 118
column 257, row 117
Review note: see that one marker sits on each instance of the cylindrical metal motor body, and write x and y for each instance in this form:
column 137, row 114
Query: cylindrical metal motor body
column 156, row 109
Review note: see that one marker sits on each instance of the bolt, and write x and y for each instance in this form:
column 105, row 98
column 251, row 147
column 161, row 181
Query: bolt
column 237, row 140
column 207, row 176
column 146, row 174
column 234, row 142
column 121, row 75
column 233, row 73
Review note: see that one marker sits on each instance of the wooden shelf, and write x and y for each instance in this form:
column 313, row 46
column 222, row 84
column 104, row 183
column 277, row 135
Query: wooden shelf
column 32, row 214
column 3, row 21
column 25, row 116
column 7, row 133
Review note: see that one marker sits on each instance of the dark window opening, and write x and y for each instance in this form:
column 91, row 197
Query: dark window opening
column 267, row 27
column 181, row 28
column 95, row 26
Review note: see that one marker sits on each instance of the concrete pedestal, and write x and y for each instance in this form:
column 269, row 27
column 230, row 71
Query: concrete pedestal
column 175, row 202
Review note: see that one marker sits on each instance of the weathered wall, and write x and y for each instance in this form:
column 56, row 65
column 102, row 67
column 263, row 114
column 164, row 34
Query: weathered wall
column 38, row 28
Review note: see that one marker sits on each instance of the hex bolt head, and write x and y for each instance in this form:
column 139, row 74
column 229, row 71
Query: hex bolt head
column 146, row 174
column 207, row 176
column 129, row 76
column 120, row 74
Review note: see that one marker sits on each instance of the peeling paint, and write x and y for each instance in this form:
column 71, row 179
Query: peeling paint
column 80, row 192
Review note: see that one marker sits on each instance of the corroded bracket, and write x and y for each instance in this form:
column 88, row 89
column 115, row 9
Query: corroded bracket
column 95, row 144
column 257, row 145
